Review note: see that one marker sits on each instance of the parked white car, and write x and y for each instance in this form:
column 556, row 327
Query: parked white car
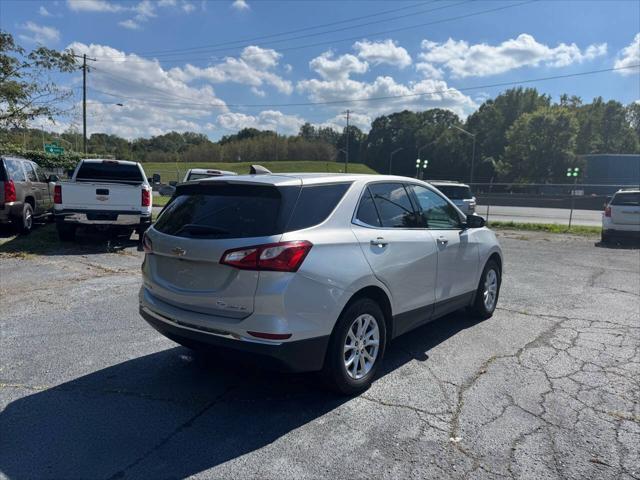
column 459, row 193
column 105, row 194
column 200, row 173
column 621, row 216
column 313, row 271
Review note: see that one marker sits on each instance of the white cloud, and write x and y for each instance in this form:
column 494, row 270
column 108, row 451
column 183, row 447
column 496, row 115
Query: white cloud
column 188, row 7
column 94, row 6
column 39, row 33
column 43, row 12
column 386, row 52
column 254, row 67
column 154, row 101
column 338, row 68
column 463, row 59
column 130, row 24
column 628, row 56
column 427, row 93
column 167, row 3
column 265, row 120
column 240, row 5
column 429, row 71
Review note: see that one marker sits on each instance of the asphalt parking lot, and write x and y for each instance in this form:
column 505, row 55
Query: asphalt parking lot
column 547, row 388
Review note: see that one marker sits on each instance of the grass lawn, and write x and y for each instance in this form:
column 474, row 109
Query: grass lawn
column 160, row 201
column 545, row 227
column 175, row 171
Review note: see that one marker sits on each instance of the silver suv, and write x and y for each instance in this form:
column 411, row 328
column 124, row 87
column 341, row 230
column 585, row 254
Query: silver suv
column 313, row 271
column 459, row 193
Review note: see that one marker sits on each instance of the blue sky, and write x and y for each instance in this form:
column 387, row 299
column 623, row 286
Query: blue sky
column 217, row 66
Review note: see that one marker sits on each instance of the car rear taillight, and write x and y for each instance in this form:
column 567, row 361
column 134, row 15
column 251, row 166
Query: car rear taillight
column 279, row 257
column 147, row 244
column 146, row 197
column 57, row 194
column 607, row 211
column 10, row 191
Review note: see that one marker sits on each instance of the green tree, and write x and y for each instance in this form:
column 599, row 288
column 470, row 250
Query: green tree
column 541, row 146
column 26, row 91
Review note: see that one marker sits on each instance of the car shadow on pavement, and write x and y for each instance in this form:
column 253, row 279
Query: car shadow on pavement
column 43, row 240
column 171, row 414
column 622, row 245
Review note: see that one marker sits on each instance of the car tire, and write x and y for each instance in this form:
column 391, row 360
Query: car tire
column 486, row 298
column 345, row 334
column 26, row 221
column 66, row 233
column 605, row 238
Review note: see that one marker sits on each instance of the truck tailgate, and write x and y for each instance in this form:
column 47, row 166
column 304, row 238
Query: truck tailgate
column 101, row 196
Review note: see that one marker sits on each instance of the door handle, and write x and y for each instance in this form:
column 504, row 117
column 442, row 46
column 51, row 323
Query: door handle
column 442, row 240
column 379, row 242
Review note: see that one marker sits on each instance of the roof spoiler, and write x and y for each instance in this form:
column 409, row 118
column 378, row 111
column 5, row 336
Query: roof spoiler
column 259, row 170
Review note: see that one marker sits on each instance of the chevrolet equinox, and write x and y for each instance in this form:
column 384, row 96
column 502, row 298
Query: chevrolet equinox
column 313, row 271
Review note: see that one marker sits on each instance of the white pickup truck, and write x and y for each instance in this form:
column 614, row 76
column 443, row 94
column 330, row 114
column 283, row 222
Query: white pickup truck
column 104, row 194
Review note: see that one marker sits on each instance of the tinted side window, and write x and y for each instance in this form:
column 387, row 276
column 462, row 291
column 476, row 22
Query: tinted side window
column 41, row 176
column 14, row 170
column 393, row 204
column 315, row 204
column 367, row 212
column 435, row 211
column 31, row 173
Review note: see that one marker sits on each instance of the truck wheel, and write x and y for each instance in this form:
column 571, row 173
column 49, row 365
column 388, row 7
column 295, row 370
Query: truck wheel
column 66, row 233
column 356, row 348
column 26, row 222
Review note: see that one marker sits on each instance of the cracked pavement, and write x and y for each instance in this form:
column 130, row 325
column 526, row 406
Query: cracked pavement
column 549, row 387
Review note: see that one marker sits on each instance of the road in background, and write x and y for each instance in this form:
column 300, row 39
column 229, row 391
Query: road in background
column 541, row 215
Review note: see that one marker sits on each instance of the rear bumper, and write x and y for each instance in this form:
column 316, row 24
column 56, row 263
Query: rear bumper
column 296, row 356
column 622, row 234
column 103, row 217
column 10, row 210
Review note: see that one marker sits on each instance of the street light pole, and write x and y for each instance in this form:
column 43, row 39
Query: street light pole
column 573, row 172
column 391, row 157
column 473, row 151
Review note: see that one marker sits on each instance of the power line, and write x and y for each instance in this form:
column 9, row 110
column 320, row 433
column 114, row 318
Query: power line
column 387, row 97
column 356, row 37
column 298, row 30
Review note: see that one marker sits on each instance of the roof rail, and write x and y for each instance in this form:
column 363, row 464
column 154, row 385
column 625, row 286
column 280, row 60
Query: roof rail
column 259, row 170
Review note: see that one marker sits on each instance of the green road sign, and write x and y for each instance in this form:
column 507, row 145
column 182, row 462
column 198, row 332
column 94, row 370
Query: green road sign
column 53, row 149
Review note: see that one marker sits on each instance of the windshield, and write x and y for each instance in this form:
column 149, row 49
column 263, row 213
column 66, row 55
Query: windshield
column 626, row 198
column 455, row 192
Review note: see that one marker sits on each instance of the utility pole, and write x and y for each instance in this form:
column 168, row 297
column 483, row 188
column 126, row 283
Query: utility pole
column 346, row 153
column 84, row 98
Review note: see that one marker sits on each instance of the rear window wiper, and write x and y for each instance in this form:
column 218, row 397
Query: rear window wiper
column 195, row 229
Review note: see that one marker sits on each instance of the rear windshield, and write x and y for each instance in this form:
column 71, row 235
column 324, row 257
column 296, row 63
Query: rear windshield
column 227, row 211
column 221, row 210
column 12, row 170
column 626, row 198
column 109, row 172
column 456, row 192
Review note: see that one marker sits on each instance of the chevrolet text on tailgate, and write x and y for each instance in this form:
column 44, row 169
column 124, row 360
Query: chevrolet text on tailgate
column 104, row 194
column 313, row 271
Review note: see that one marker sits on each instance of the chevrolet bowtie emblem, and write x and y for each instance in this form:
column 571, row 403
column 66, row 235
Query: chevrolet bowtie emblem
column 178, row 251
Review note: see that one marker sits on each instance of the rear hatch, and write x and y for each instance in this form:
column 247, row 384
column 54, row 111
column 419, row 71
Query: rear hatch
column 106, row 185
column 460, row 195
column 203, row 221
column 625, row 208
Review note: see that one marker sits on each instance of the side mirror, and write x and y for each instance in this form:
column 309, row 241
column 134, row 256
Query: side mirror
column 150, row 180
column 475, row 221
column 70, row 173
column 53, row 178
column 173, row 183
